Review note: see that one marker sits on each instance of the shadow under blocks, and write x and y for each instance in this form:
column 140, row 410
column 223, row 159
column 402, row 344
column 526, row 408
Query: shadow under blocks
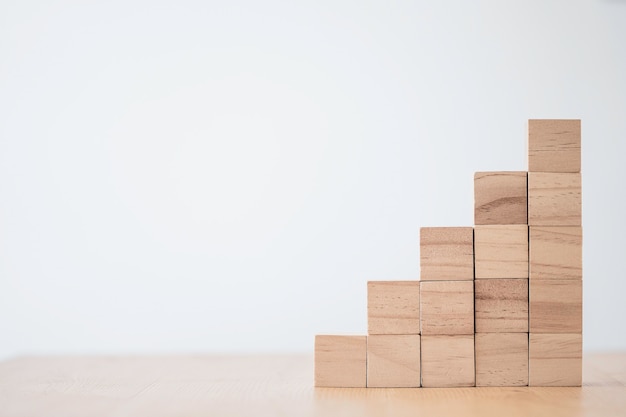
column 498, row 304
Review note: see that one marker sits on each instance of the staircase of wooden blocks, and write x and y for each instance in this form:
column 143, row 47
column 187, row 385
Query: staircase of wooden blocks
column 499, row 304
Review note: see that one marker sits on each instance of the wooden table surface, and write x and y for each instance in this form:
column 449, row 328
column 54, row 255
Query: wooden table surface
column 274, row 385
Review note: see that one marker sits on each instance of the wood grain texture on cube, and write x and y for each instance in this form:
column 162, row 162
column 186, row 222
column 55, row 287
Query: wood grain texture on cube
column 393, row 307
column 501, row 251
column 501, row 359
column 393, row 361
column 556, row 306
column 556, row 252
column 340, row 361
column 500, row 198
column 448, row 361
column 501, row 305
column 554, row 145
column 554, row 199
column 555, row 360
column 446, row 253
column 447, row 307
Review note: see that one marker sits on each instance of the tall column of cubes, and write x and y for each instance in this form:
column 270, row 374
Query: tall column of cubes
column 499, row 304
column 501, row 272
column 554, row 217
column 447, row 306
column 393, row 341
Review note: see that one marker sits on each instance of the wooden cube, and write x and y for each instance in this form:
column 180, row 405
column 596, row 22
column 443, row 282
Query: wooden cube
column 501, row 359
column 556, row 252
column 554, row 199
column 393, row 361
column 447, row 307
column 340, row 361
column 393, row 307
column 448, row 361
column 501, row 305
column 554, row 145
column 501, row 251
column 446, row 253
column 556, row 306
column 500, row 198
column 555, row 360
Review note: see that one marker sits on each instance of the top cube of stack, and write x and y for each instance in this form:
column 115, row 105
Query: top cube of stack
column 500, row 198
column 446, row 253
column 554, row 179
column 554, row 145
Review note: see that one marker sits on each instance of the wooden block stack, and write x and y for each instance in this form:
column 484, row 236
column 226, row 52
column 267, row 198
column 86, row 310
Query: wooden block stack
column 393, row 341
column 554, row 218
column 499, row 304
column 501, row 278
column 447, row 306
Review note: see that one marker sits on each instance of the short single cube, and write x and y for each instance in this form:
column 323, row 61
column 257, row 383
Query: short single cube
column 554, row 199
column 501, row 305
column 448, row 361
column 501, row 359
column 554, row 145
column 556, row 252
column 340, row 361
column 393, row 361
column 447, row 307
column 500, row 198
column 555, row 360
column 556, row 306
column 446, row 253
column 501, row 251
column 393, row 307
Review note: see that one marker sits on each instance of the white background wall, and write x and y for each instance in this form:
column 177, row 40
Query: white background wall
column 198, row 176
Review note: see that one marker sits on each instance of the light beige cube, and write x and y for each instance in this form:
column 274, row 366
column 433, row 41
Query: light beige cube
column 448, row 361
column 446, row 253
column 556, row 252
column 501, row 305
column 500, row 198
column 501, row 359
column 393, row 307
column 393, row 361
column 340, row 361
column 556, row 306
column 555, row 360
column 447, row 307
column 554, row 199
column 501, row 251
column 554, row 145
